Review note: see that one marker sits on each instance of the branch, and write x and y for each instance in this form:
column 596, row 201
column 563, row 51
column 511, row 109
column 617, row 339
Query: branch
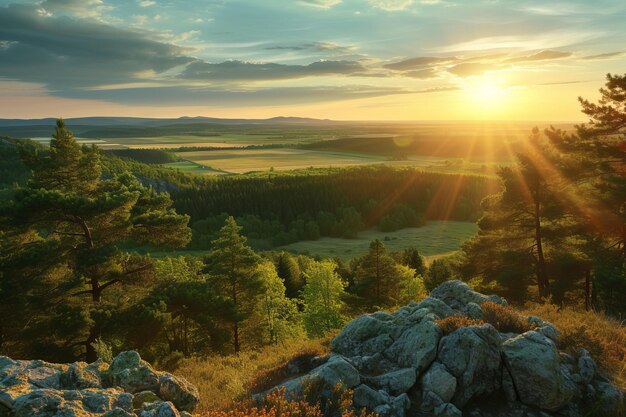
column 108, row 284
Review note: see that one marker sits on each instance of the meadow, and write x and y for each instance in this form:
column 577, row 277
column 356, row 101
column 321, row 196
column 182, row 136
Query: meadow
column 434, row 240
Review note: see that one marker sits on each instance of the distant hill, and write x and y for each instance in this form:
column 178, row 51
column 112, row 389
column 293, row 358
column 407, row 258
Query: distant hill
column 91, row 127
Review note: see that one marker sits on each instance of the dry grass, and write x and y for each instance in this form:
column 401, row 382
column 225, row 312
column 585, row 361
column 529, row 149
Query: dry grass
column 224, row 379
column 452, row 323
column 504, row 318
column 603, row 336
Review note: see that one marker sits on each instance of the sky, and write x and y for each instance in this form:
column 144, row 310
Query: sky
column 336, row 59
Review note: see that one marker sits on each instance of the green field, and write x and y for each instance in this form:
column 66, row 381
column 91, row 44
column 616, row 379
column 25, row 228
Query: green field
column 216, row 141
column 240, row 161
column 433, row 240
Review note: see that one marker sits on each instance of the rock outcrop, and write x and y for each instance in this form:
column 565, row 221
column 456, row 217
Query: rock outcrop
column 402, row 364
column 128, row 387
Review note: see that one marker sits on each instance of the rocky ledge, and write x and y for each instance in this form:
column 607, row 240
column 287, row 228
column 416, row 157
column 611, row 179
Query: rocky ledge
column 128, row 387
column 402, row 364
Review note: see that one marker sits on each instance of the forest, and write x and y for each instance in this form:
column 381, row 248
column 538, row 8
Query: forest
column 77, row 281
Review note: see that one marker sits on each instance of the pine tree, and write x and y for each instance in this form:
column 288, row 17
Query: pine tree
column 521, row 225
column 596, row 157
column 377, row 279
column 85, row 222
column 231, row 264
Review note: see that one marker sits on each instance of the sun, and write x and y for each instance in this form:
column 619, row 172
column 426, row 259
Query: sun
column 488, row 93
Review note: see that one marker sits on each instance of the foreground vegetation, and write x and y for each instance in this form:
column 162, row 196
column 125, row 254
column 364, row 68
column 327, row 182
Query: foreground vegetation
column 76, row 224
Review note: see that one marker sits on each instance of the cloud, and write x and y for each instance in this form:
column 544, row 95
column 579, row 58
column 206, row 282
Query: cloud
column 422, row 74
column 391, row 5
column 66, row 53
column 419, row 62
column 546, row 55
column 147, row 3
column 607, row 55
column 469, row 69
column 553, row 39
column 249, row 71
column 181, row 95
column 314, row 46
column 322, row 4
column 84, row 8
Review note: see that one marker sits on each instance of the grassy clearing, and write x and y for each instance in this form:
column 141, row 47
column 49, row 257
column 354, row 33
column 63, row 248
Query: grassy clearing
column 192, row 168
column 604, row 337
column 224, row 379
column 282, row 159
column 216, row 140
column 435, row 239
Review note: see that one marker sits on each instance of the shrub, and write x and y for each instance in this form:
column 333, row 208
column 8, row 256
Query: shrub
column 103, row 351
column 452, row 323
column 504, row 318
column 311, row 404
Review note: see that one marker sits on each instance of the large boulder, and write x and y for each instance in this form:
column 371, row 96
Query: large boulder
column 416, row 347
column 533, row 364
column 179, row 391
column 132, row 373
column 401, row 362
column 458, row 295
column 472, row 355
column 366, row 336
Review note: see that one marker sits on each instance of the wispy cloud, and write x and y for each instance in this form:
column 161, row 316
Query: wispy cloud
column 249, row 71
column 418, row 62
column 322, row 4
column 547, row 55
column 391, row 5
column 554, row 39
column 608, row 55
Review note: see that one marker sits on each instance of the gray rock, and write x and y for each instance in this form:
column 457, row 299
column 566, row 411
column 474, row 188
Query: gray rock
column 435, row 306
column 179, row 391
column 416, row 347
column 79, row 376
column 118, row 412
column 458, row 294
column 365, row 336
column 472, row 355
column 140, row 398
column 533, row 363
column 548, row 330
column 337, row 369
column 586, row 366
column 438, row 380
column 132, row 373
column 40, row 403
column 395, row 382
column 534, row 321
column 474, row 311
column 158, row 409
column 447, row 410
column 609, row 398
column 380, row 402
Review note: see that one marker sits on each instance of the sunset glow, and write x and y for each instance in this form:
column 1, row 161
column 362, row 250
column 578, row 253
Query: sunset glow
column 340, row 59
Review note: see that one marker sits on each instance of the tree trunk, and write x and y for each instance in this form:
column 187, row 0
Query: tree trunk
column 542, row 274
column 91, row 354
column 587, row 290
column 236, row 336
